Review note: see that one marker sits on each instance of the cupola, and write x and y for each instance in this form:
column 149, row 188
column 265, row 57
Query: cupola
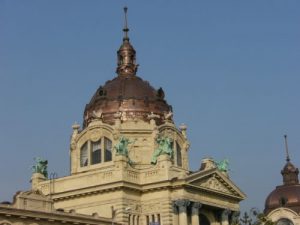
column 127, row 96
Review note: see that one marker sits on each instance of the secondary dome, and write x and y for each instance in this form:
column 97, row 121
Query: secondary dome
column 127, row 96
column 288, row 194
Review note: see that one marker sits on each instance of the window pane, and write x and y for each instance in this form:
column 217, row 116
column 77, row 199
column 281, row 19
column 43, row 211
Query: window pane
column 84, row 161
column 178, row 152
column 108, row 147
column 96, row 152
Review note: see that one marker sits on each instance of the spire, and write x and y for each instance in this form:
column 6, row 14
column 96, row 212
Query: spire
column 286, row 148
column 126, row 54
column 125, row 26
column 289, row 171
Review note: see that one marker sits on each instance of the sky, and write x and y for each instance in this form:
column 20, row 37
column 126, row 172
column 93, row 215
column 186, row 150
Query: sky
column 230, row 69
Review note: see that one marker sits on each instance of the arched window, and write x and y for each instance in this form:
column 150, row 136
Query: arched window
column 178, row 155
column 96, row 152
column 108, row 148
column 92, row 153
column 84, row 160
column 284, row 221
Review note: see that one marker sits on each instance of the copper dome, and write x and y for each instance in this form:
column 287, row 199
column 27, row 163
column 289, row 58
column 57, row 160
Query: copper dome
column 288, row 194
column 127, row 96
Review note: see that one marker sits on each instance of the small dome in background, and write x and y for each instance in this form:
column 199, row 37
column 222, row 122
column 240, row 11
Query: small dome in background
column 288, row 194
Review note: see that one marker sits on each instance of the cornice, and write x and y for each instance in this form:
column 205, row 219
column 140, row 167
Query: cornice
column 11, row 212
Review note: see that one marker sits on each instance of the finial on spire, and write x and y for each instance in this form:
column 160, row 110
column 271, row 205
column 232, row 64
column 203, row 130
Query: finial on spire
column 286, row 148
column 126, row 54
column 125, row 26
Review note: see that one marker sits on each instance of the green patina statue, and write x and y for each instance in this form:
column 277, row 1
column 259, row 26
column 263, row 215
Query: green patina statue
column 122, row 147
column 222, row 165
column 164, row 148
column 40, row 166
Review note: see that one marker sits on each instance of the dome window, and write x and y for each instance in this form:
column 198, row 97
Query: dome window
column 284, row 221
column 96, row 152
column 84, row 161
column 108, row 150
column 177, row 153
column 283, row 201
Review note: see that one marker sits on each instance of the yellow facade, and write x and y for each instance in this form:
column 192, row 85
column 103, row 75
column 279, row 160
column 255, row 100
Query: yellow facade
column 143, row 183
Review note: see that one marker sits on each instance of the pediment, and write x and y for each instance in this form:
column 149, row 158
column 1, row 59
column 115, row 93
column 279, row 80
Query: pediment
column 33, row 194
column 214, row 181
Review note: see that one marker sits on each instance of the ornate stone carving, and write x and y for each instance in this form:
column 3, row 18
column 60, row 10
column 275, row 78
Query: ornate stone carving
column 207, row 164
column 182, row 204
column 215, row 184
column 195, row 207
column 183, row 129
column 168, row 116
column 153, row 116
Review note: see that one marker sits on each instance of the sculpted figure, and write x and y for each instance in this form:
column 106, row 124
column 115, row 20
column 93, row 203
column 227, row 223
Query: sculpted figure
column 164, row 148
column 40, row 166
column 122, row 147
column 168, row 115
column 223, row 165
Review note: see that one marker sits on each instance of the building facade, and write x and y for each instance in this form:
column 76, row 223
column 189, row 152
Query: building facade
column 130, row 163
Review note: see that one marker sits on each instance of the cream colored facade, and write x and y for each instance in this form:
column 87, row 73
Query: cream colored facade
column 284, row 216
column 133, row 188
column 34, row 208
column 140, row 193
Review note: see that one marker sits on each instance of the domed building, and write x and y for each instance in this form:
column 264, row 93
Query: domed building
column 283, row 204
column 130, row 163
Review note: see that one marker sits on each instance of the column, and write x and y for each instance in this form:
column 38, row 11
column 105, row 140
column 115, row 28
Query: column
column 224, row 217
column 131, row 220
column 137, row 218
column 195, row 212
column 155, row 218
column 175, row 214
column 182, row 206
column 151, row 218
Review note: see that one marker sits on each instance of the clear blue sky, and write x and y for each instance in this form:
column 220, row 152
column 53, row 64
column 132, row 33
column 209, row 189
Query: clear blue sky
column 230, row 69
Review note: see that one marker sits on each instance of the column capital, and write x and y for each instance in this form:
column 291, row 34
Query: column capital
column 226, row 212
column 196, row 205
column 195, row 208
column 182, row 203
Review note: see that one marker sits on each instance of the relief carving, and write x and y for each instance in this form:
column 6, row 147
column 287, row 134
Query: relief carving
column 215, row 184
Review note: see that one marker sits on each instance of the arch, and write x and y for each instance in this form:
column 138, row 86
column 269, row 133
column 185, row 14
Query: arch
column 5, row 222
column 203, row 220
column 284, row 221
column 207, row 216
column 84, row 156
column 282, row 212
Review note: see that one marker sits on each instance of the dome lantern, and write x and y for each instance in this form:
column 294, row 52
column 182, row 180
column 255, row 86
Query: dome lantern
column 126, row 54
